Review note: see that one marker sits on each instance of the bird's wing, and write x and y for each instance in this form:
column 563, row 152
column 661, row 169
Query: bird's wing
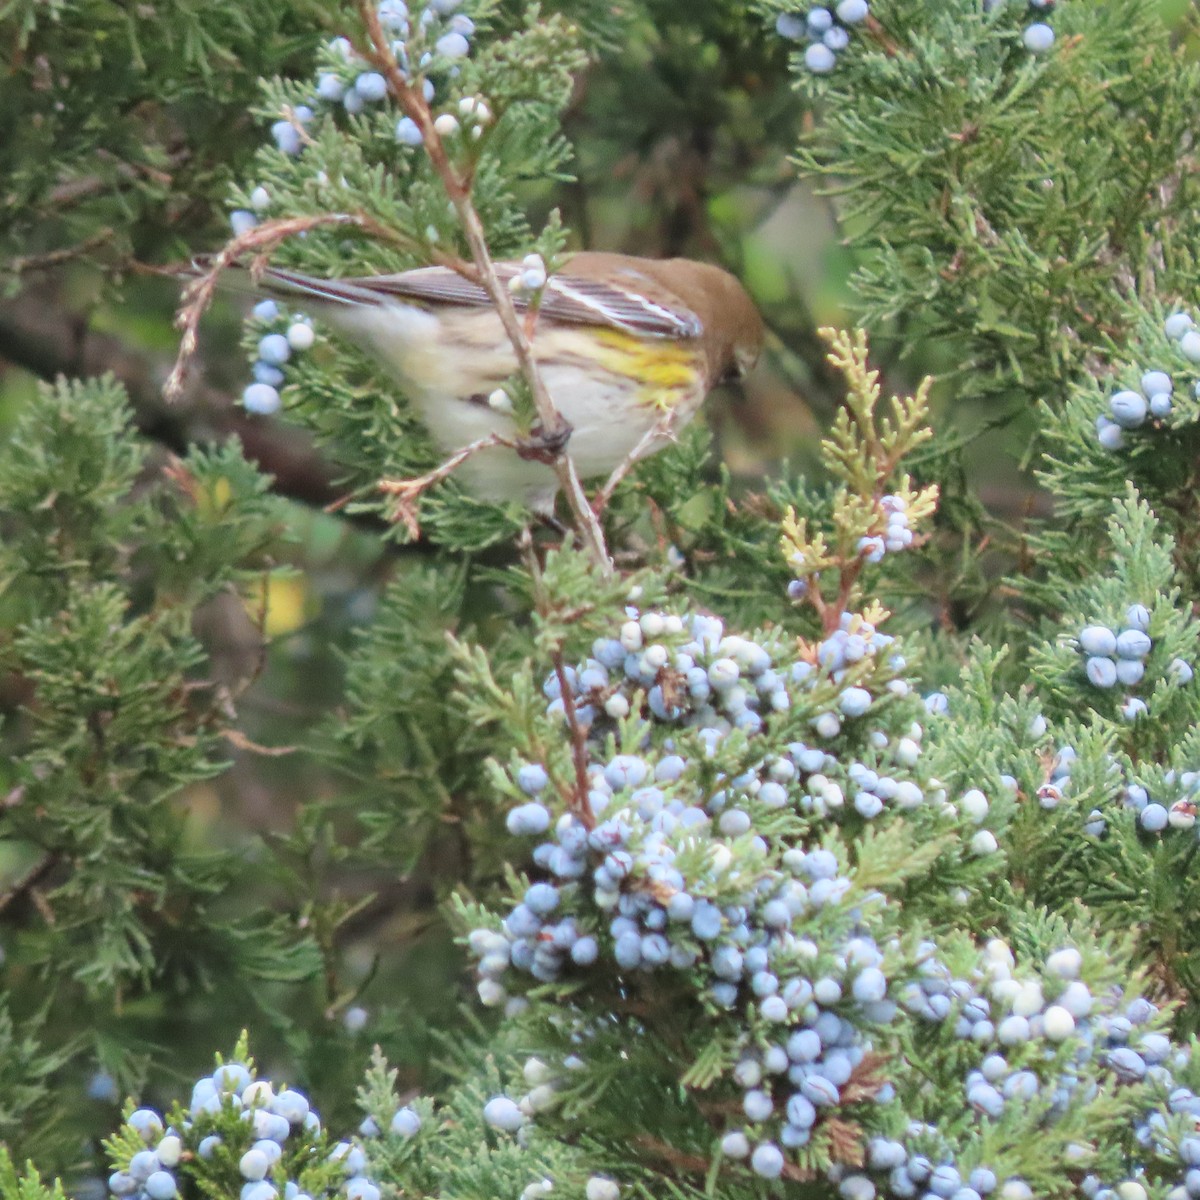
column 576, row 299
column 580, row 297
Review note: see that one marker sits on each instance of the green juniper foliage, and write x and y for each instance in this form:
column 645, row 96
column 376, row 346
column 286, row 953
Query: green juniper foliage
column 838, row 842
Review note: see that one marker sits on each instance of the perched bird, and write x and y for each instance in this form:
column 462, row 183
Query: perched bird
column 620, row 342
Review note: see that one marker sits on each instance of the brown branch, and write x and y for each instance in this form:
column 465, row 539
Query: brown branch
column 458, row 189
column 578, row 803
column 54, row 258
column 39, row 334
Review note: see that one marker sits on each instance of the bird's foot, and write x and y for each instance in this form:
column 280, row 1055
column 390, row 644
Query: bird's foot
column 544, row 446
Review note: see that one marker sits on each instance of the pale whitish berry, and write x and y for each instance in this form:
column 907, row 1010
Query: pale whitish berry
column 1156, row 382
column 406, row 1123
column 735, row 1144
column 1098, row 639
column 793, row 27
column 453, row 45
column 258, row 1094
column 371, row 86
column 1065, row 963
column 820, row 19
column 408, row 132
column 254, row 1165
column 1137, row 616
column 300, row 336
column 502, row 1113
column 1177, row 324
column 160, row 1186
column 1189, row 344
column 820, row 60
column 1102, row 672
column 330, row 88
column 1111, row 436
column 169, row 1150
column 1038, row 38
column 767, row 1160
column 1153, row 818
column 446, row 125
column 147, row 1123
column 261, row 398
column 600, row 1188
column 287, row 138
column 851, row 12
column 242, row 221
column 837, row 39
column 260, row 199
column 274, row 350
column 974, row 805
column 983, row 843
column 1133, row 643
column 1128, row 409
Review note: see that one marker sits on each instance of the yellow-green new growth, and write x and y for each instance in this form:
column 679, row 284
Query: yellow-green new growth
column 863, row 452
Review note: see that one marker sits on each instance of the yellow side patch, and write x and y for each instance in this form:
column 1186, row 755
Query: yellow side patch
column 666, row 367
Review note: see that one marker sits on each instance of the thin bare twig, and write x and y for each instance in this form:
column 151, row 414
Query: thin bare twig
column 662, row 428
column 54, row 258
column 260, row 240
column 408, row 491
column 458, row 189
column 579, row 756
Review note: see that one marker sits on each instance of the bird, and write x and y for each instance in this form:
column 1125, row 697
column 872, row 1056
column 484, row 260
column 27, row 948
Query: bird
column 628, row 349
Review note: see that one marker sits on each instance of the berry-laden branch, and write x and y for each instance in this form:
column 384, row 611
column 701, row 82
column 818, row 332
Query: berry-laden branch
column 482, row 270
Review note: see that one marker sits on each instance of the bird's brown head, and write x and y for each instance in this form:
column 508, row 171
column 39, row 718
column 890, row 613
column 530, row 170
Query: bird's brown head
column 733, row 328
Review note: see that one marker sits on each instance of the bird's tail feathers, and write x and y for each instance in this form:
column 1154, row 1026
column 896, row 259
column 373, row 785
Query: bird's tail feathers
column 285, row 284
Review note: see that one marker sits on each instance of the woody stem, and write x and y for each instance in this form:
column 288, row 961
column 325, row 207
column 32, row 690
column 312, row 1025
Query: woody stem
column 483, row 272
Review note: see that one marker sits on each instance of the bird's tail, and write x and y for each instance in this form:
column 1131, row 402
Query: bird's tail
column 285, row 284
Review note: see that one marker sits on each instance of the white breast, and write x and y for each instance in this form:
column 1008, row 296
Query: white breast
column 449, row 362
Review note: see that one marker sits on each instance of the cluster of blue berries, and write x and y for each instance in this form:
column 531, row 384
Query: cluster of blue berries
column 284, row 337
column 1118, row 656
column 1181, row 329
column 1176, row 808
column 426, row 43
column 269, row 1124
column 1043, row 1042
column 895, row 535
column 1154, row 400
column 662, row 866
column 1129, row 409
column 1170, row 803
column 825, row 28
column 432, row 41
